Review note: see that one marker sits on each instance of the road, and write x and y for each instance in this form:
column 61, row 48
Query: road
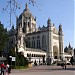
column 45, row 70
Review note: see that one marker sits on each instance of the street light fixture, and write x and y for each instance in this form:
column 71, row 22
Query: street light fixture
column 11, row 59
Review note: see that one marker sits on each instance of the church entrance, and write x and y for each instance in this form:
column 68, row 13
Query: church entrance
column 55, row 52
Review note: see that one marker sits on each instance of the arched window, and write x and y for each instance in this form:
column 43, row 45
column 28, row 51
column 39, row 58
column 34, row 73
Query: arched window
column 43, row 41
column 27, row 55
column 28, row 24
column 24, row 24
column 29, row 44
column 38, row 43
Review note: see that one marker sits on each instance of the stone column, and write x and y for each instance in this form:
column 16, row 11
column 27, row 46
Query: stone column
column 22, row 21
column 50, row 44
column 61, row 46
column 22, row 41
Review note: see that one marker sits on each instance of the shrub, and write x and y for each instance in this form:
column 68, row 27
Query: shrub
column 21, row 60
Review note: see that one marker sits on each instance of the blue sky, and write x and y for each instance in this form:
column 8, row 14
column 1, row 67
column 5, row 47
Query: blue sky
column 60, row 11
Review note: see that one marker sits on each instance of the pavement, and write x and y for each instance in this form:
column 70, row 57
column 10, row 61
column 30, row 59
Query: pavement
column 45, row 70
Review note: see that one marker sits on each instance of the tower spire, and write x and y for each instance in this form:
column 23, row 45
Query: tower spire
column 49, row 22
column 69, row 45
column 26, row 7
column 60, row 29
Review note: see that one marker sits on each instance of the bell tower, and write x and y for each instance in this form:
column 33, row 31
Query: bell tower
column 50, row 43
column 25, row 23
column 61, row 49
column 29, row 22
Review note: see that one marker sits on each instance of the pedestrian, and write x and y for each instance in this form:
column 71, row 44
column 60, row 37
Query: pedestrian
column 2, row 68
column 62, row 65
column 65, row 65
column 8, row 69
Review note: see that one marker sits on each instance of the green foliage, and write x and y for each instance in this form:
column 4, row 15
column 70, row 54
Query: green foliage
column 19, row 67
column 72, row 60
column 3, row 37
column 12, row 51
column 21, row 60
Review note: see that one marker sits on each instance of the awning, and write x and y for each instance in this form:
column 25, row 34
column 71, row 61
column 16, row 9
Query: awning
column 2, row 58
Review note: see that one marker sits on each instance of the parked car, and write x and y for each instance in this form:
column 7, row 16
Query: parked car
column 60, row 63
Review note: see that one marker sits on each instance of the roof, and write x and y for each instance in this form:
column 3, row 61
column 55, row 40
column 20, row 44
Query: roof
column 26, row 12
column 11, row 32
column 67, row 55
column 38, row 32
column 35, row 50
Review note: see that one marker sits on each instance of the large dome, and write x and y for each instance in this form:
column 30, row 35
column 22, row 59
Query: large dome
column 26, row 12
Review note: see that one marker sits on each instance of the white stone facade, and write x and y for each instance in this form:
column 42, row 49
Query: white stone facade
column 40, row 43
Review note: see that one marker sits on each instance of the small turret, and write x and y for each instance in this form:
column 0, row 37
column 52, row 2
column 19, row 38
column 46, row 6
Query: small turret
column 53, row 24
column 49, row 22
column 69, row 46
column 13, row 27
column 61, row 42
column 60, row 29
column 39, row 28
column 35, row 18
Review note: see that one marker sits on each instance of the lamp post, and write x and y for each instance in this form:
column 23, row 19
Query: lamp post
column 11, row 59
column 15, row 54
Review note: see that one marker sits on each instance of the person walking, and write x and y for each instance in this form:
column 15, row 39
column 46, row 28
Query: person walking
column 8, row 69
column 2, row 68
column 65, row 65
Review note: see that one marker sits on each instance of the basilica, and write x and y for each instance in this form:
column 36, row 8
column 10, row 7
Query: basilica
column 44, row 44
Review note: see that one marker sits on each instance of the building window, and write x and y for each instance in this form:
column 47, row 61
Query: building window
column 32, row 55
column 28, row 38
column 28, row 24
column 29, row 43
column 38, row 43
column 38, row 37
column 24, row 24
column 27, row 55
column 33, row 44
column 55, row 57
column 43, row 41
column 33, row 38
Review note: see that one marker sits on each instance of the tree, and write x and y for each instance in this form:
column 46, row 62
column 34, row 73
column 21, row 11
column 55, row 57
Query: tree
column 12, row 51
column 74, row 51
column 3, row 37
column 21, row 60
column 13, row 5
column 72, row 60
